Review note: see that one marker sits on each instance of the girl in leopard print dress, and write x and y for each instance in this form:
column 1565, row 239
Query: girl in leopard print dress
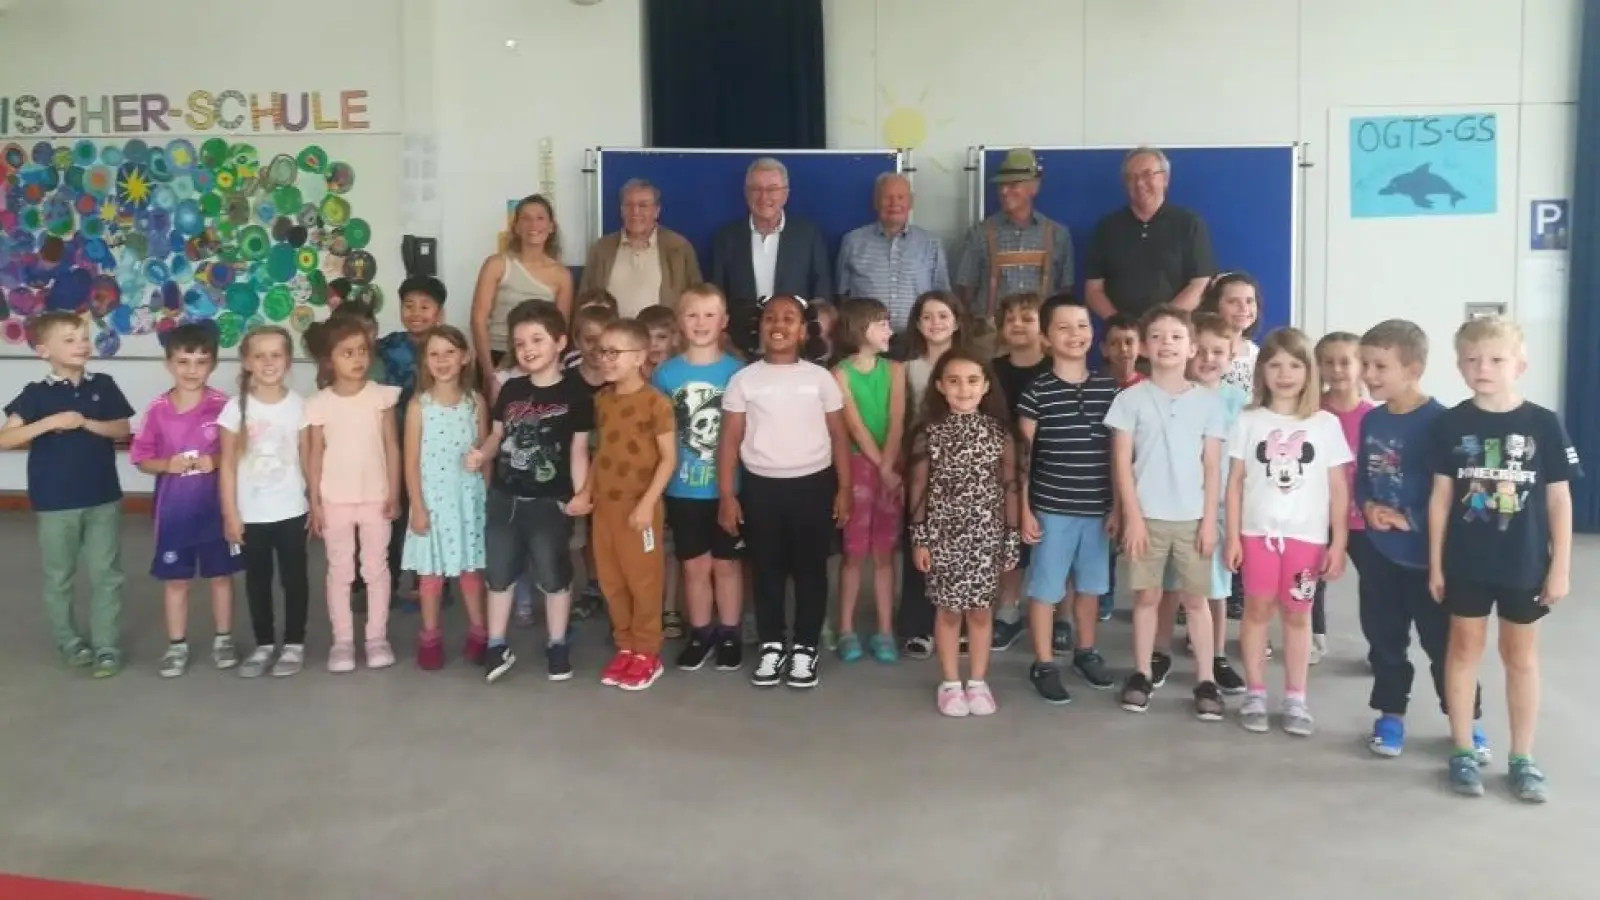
column 964, row 512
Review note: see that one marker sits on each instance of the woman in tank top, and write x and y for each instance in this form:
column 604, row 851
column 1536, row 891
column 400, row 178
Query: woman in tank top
column 529, row 269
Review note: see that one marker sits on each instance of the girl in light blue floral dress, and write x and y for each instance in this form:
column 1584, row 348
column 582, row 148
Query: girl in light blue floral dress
column 446, row 420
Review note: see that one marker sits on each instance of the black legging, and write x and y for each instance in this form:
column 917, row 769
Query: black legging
column 788, row 532
column 286, row 541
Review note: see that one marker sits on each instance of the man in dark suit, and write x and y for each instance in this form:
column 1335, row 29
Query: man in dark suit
column 769, row 253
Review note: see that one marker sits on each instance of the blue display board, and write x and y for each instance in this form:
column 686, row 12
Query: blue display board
column 703, row 190
column 1246, row 195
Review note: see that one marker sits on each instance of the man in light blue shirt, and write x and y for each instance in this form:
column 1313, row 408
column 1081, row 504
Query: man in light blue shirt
column 892, row 260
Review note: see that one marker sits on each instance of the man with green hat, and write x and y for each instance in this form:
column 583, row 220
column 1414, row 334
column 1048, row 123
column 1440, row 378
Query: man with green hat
column 1016, row 250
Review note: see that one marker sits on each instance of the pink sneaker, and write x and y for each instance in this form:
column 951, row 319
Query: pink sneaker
column 430, row 651
column 342, row 658
column 477, row 643
column 953, row 701
column 980, row 700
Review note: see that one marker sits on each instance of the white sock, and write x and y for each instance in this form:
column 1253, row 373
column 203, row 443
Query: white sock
column 949, row 685
column 976, row 682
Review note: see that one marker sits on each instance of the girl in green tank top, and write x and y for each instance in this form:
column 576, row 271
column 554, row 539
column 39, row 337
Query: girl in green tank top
column 874, row 389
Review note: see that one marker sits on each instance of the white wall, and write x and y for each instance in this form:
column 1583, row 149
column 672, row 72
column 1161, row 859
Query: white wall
column 507, row 121
column 1111, row 72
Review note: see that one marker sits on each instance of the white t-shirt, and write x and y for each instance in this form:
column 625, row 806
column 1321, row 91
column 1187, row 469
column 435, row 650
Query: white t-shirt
column 1287, row 469
column 786, row 417
column 270, row 484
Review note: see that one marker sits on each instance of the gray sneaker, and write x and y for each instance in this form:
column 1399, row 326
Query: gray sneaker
column 290, row 661
column 255, row 665
column 1527, row 782
column 78, row 656
column 224, row 655
column 1465, row 776
column 1297, row 719
column 175, row 661
column 1253, row 713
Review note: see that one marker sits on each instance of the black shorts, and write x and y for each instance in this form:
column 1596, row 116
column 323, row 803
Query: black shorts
column 1476, row 599
column 695, row 531
column 530, row 536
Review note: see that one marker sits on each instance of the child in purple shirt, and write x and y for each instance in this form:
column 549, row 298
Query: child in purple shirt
column 180, row 444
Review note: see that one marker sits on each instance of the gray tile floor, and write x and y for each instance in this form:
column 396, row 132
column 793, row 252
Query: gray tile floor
column 404, row 784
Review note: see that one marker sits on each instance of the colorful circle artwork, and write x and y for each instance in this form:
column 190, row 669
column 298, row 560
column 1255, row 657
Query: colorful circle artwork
column 144, row 237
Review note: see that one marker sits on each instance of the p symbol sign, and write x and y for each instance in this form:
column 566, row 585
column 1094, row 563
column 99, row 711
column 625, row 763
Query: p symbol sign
column 1548, row 225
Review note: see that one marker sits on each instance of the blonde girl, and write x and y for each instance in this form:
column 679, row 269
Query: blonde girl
column 1288, row 508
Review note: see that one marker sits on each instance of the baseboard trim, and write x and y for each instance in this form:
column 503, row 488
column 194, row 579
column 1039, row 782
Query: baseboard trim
column 17, row 501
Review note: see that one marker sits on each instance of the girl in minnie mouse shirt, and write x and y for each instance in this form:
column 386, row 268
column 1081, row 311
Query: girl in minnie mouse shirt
column 1288, row 519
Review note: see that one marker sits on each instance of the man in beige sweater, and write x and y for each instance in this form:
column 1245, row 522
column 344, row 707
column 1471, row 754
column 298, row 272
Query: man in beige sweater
column 643, row 264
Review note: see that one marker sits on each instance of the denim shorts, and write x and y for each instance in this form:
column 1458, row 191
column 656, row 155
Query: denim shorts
column 1069, row 546
column 527, row 535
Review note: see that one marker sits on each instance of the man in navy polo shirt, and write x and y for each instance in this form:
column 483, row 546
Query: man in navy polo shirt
column 70, row 422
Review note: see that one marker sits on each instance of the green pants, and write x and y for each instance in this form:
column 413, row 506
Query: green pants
column 92, row 536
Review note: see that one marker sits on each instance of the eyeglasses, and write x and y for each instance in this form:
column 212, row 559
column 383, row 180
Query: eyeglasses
column 610, row 354
column 1146, row 174
column 771, row 189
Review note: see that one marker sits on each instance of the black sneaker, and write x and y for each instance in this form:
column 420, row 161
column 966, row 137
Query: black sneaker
column 1183, row 616
column 1006, row 634
column 697, row 651
column 558, row 661
column 919, row 647
column 963, row 645
column 1228, row 681
column 1092, row 669
column 1235, row 609
column 730, row 651
column 1136, row 693
column 1046, row 678
column 802, row 667
column 497, row 661
column 1061, row 638
column 1160, row 665
column 769, row 666
column 1208, row 705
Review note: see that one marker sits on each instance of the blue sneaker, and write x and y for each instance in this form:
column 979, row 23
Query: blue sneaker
column 1388, row 738
column 883, row 648
column 1466, row 778
column 849, row 647
column 1480, row 745
column 1108, row 602
column 1527, row 782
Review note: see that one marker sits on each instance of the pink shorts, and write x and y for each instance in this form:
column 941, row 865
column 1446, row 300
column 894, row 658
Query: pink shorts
column 1284, row 569
column 875, row 513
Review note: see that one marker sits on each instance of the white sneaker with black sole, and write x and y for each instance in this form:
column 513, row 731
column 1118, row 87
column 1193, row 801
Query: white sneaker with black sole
column 803, row 667
column 769, row 665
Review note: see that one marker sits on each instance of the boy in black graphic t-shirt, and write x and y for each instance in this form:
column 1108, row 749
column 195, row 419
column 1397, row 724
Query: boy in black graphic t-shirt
column 1500, row 537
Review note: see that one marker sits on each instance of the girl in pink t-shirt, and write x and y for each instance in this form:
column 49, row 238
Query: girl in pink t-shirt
column 354, row 479
column 1339, row 364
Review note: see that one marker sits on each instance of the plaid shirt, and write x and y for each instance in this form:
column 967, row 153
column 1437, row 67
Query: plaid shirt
column 973, row 272
column 894, row 270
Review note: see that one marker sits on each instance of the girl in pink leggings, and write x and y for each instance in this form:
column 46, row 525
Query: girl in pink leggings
column 1287, row 519
column 354, row 476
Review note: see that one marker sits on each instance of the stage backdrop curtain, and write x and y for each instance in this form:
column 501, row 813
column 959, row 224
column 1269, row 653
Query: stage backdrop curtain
column 731, row 74
column 1582, row 398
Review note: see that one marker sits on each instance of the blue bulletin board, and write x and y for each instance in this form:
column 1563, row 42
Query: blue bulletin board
column 1246, row 195
column 703, row 190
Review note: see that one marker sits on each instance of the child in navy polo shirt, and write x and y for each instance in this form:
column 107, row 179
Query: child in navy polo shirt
column 70, row 420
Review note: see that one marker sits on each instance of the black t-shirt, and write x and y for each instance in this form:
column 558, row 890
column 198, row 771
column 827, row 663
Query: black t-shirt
column 539, row 423
column 1014, row 379
column 1499, row 526
column 1147, row 263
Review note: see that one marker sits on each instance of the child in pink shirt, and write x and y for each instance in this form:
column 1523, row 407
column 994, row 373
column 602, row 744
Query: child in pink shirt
column 1339, row 364
column 178, row 442
column 354, row 475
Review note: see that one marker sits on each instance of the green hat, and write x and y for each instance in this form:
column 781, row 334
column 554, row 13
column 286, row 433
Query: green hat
column 1019, row 165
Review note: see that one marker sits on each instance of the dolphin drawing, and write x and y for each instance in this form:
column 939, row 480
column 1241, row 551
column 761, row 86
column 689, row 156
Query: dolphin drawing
column 1418, row 184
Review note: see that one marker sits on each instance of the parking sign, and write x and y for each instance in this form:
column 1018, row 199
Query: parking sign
column 1548, row 225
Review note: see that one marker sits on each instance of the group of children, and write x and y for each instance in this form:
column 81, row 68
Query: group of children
column 1025, row 476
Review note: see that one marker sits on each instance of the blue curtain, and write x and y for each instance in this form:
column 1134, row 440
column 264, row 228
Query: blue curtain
column 1583, row 300
column 735, row 74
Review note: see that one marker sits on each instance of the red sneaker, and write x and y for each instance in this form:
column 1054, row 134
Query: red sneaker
column 477, row 644
column 430, row 651
column 642, row 672
column 616, row 670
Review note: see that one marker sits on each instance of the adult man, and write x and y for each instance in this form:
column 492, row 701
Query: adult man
column 643, row 264
column 1015, row 250
column 892, row 260
column 1149, row 252
column 769, row 253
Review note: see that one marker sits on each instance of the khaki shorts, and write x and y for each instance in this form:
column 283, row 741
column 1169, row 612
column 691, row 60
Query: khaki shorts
column 1170, row 543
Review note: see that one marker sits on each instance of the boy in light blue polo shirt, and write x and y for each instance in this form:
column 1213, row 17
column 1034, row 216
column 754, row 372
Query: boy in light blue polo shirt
column 1166, row 451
